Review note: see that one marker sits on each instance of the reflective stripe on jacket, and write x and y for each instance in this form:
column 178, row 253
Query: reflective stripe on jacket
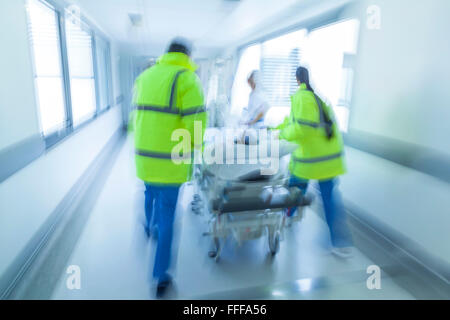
column 316, row 157
column 168, row 96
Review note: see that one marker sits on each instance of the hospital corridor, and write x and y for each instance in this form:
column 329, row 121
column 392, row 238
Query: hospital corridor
column 224, row 150
column 117, row 266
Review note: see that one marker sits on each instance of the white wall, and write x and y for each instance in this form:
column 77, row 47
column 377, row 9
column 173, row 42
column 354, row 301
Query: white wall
column 401, row 92
column 403, row 75
column 412, row 203
column 28, row 197
column 17, row 99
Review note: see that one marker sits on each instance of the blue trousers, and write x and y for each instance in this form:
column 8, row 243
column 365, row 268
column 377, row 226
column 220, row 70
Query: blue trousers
column 333, row 207
column 160, row 205
column 149, row 209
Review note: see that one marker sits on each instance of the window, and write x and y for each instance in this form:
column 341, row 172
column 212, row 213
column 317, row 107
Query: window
column 81, row 70
column 72, row 71
column 45, row 44
column 213, row 89
column 103, row 72
column 329, row 53
column 280, row 58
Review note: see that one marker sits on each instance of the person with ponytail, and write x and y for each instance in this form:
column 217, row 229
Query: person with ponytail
column 319, row 156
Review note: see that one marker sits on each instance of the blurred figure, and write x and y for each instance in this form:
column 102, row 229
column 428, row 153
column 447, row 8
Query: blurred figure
column 257, row 106
column 257, row 102
column 168, row 96
column 319, row 156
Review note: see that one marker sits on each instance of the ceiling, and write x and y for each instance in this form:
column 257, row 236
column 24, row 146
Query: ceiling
column 211, row 24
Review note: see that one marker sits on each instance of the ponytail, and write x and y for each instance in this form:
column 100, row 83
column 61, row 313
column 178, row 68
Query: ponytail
column 302, row 76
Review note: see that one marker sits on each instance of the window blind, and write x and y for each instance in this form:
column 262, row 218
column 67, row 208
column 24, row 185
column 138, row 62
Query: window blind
column 81, row 70
column 43, row 33
column 280, row 58
column 103, row 63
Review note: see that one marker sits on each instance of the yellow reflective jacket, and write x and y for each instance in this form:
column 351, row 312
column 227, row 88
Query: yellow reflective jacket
column 316, row 157
column 168, row 96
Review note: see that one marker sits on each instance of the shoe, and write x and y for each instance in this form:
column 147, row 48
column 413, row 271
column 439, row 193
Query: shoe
column 289, row 221
column 161, row 289
column 147, row 231
column 345, row 252
column 154, row 233
column 289, row 214
column 151, row 233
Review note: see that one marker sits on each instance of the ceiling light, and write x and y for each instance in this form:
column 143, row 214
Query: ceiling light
column 136, row 19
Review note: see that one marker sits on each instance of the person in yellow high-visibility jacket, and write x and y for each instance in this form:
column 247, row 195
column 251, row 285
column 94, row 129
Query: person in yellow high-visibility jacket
column 169, row 104
column 319, row 156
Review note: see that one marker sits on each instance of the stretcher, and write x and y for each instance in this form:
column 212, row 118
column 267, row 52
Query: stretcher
column 241, row 203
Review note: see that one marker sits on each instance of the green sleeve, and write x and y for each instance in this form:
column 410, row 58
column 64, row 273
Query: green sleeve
column 294, row 131
column 132, row 115
column 132, row 121
column 283, row 125
column 193, row 111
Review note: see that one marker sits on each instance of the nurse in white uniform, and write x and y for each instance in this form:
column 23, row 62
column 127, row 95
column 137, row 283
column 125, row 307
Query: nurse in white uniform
column 256, row 110
column 257, row 102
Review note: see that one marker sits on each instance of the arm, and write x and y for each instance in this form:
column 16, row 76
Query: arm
column 290, row 133
column 132, row 121
column 192, row 107
column 296, row 132
column 258, row 117
column 283, row 125
column 261, row 110
column 134, row 102
column 305, row 111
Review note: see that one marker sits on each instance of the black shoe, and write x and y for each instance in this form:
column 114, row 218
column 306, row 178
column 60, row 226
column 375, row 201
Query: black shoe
column 162, row 288
column 151, row 233
column 147, row 232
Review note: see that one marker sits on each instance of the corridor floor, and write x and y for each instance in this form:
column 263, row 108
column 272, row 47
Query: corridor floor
column 115, row 258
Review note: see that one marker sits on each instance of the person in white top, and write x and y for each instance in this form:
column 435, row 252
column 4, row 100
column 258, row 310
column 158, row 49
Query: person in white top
column 256, row 110
column 257, row 102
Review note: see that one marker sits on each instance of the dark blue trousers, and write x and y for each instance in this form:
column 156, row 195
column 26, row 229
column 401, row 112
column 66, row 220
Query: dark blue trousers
column 160, row 206
column 333, row 207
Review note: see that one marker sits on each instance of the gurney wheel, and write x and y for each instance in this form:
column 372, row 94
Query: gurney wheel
column 215, row 253
column 196, row 207
column 274, row 242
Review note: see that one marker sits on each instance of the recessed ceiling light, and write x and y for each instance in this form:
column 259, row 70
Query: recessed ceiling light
column 136, row 19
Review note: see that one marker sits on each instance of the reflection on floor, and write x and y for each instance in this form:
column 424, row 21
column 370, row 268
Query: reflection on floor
column 115, row 258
